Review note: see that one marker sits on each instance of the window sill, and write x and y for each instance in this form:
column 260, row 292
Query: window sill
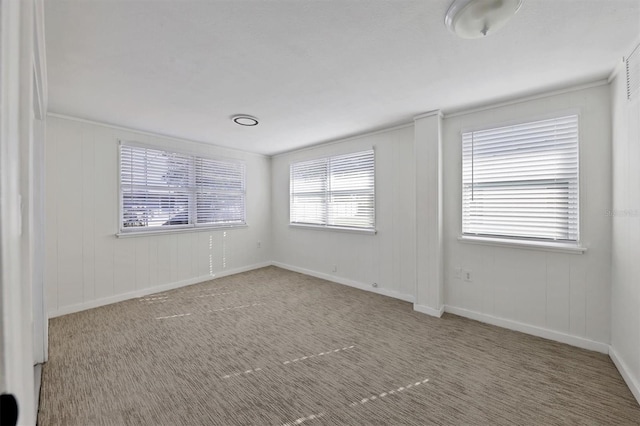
column 178, row 230
column 530, row 245
column 334, row 228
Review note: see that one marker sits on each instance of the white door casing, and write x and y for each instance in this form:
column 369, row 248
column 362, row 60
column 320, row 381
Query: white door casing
column 16, row 126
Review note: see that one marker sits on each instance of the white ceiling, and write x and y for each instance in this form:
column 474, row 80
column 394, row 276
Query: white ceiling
column 311, row 70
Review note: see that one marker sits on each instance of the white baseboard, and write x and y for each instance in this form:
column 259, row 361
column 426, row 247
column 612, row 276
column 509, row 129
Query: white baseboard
column 151, row 290
column 429, row 310
column 558, row 336
column 625, row 372
column 345, row 281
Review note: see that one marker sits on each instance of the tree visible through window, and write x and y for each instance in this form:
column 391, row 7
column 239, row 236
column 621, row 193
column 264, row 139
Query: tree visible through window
column 164, row 190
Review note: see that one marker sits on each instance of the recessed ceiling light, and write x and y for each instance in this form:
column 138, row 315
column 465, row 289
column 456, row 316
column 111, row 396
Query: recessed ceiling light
column 245, row 120
column 479, row 18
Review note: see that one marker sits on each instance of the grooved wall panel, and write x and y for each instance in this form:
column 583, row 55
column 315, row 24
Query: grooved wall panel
column 387, row 258
column 86, row 263
column 625, row 218
column 566, row 293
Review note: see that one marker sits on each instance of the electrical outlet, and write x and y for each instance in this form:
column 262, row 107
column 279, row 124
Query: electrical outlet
column 468, row 277
column 458, row 272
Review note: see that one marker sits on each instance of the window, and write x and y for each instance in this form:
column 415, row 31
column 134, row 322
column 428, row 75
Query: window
column 162, row 190
column 337, row 192
column 522, row 181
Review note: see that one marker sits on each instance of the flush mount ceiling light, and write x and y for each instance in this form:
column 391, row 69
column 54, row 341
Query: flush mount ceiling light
column 245, row 120
column 479, row 18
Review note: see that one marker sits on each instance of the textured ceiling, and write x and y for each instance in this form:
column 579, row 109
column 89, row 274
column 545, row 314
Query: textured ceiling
column 311, row 70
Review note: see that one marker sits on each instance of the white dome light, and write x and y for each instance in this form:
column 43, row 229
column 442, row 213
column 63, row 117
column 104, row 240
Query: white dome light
column 479, row 18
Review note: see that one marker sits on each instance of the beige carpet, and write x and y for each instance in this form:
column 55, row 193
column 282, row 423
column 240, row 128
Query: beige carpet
column 273, row 347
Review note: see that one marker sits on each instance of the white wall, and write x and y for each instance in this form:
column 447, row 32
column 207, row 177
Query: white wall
column 562, row 296
column 87, row 265
column 625, row 218
column 557, row 295
column 387, row 258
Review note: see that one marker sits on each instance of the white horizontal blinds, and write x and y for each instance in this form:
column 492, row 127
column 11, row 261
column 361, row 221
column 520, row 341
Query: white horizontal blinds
column 154, row 187
column 308, row 190
column 522, row 181
column 351, row 190
column 168, row 189
column 220, row 192
column 335, row 191
column 633, row 74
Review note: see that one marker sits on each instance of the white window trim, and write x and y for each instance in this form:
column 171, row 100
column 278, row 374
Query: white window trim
column 176, row 229
column 524, row 244
column 367, row 231
column 182, row 229
column 572, row 247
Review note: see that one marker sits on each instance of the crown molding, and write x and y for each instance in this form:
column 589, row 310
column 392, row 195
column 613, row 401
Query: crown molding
column 147, row 133
column 429, row 114
column 519, row 100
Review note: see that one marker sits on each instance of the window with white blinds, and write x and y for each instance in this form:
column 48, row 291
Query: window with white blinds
column 334, row 192
column 521, row 181
column 167, row 190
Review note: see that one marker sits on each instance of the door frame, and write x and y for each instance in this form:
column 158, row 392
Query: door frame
column 16, row 120
column 36, row 161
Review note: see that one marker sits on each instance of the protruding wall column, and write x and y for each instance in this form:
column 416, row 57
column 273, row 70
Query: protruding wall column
column 429, row 247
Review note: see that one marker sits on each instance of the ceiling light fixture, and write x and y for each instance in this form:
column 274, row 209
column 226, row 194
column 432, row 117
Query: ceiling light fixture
column 479, row 18
column 245, row 120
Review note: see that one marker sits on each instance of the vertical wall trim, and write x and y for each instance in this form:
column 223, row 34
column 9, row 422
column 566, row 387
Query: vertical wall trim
column 36, row 172
column 429, row 225
column 39, row 62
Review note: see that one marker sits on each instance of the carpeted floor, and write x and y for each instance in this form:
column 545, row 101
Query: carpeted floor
column 273, row 347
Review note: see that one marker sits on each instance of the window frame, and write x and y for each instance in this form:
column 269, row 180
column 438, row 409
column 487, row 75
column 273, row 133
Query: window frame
column 191, row 190
column 545, row 244
column 339, row 228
